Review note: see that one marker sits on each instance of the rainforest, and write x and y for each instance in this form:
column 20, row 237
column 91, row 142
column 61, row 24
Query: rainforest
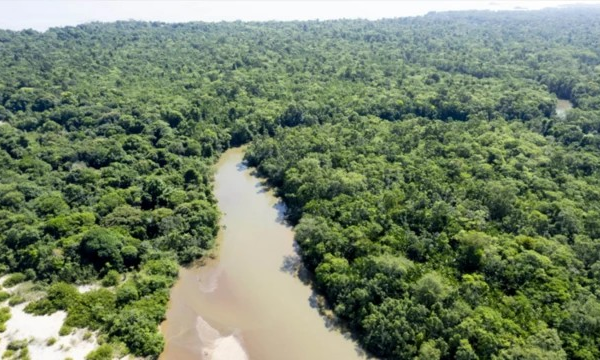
column 442, row 204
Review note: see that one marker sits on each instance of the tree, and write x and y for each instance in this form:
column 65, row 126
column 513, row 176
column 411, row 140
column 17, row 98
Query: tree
column 102, row 247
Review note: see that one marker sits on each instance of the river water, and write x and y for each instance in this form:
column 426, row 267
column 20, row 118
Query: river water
column 248, row 303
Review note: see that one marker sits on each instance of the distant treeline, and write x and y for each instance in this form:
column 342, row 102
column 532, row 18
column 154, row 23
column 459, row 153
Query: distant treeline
column 445, row 210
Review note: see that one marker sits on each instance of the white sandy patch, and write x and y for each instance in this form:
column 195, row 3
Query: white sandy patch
column 217, row 347
column 87, row 288
column 39, row 329
column 23, row 326
column 73, row 346
column 228, row 348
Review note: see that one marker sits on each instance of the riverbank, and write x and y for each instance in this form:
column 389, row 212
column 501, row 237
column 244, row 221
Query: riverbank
column 246, row 303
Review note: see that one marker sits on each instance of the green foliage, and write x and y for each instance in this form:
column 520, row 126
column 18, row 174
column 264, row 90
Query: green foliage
column 127, row 292
column 91, row 310
column 430, row 289
column 102, row 352
column 65, row 330
column 484, row 224
column 66, row 225
column 471, row 250
column 138, row 332
column 111, row 278
column 16, row 300
column 17, row 345
column 102, row 247
column 60, row 296
column 544, row 345
column 17, row 349
column 4, row 317
column 14, row 279
column 444, row 208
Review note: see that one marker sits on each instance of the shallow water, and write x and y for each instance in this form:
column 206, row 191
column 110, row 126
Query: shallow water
column 250, row 293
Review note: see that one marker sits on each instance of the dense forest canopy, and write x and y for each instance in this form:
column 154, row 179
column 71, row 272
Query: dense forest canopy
column 445, row 209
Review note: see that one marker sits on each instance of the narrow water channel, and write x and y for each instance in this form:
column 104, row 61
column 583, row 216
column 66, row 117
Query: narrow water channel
column 246, row 303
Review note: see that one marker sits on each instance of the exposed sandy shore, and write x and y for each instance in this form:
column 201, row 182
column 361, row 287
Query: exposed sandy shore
column 228, row 348
column 217, row 347
column 39, row 329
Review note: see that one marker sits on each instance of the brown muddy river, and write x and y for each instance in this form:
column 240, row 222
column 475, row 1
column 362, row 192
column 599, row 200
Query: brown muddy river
column 247, row 304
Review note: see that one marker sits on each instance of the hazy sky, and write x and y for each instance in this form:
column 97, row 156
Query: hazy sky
column 41, row 15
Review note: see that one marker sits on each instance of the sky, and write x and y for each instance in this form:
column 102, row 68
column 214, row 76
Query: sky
column 42, row 14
